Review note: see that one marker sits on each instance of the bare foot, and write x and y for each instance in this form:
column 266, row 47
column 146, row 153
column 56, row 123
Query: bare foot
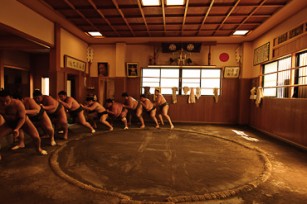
column 157, row 126
column 18, row 147
column 142, row 127
column 126, row 128
column 93, row 131
column 172, row 126
column 43, row 152
column 52, row 143
column 111, row 129
column 44, row 136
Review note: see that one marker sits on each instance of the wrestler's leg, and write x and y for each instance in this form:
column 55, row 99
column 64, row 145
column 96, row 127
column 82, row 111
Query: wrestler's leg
column 103, row 119
column 83, row 121
column 139, row 111
column 4, row 130
column 30, row 129
column 21, row 141
column 153, row 116
column 129, row 116
column 159, row 111
column 47, row 126
column 91, row 119
column 164, row 113
column 62, row 122
column 124, row 119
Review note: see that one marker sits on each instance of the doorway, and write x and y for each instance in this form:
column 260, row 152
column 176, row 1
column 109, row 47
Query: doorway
column 17, row 81
column 71, row 85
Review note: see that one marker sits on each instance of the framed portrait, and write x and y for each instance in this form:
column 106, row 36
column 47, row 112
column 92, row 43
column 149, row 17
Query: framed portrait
column 132, row 70
column 231, row 72
column 103, row 69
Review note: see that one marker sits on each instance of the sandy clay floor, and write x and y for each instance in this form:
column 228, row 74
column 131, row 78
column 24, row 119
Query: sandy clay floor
column 190, row 164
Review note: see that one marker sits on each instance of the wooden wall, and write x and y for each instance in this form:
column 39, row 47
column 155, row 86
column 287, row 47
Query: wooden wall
column 282, row 118
column 39, row 68
column 205, row 110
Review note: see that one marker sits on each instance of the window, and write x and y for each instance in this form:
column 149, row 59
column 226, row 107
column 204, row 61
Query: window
column 276, row 77
column 302, row 76
column 150, row 78
column 190, row 78
column 301, row 91
column 281, row 80
column 210, row 79
column 45, row 85
column 168, row 77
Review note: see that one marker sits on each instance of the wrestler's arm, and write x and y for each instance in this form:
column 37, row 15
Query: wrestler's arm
column 143, row 104
column 90, row 108
column 132, row 103
column 147, row 105
column 32, row 111
column 52, row 104
column 111, row 112
column 158, row 100
column 67, row 104
column 114, row 110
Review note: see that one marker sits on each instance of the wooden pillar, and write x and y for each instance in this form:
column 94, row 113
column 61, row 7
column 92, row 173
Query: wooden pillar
column 1, row 71
column 54, row 62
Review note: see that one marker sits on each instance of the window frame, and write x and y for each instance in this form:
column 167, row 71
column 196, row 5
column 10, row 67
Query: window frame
column 180, row 79
column 278, row 73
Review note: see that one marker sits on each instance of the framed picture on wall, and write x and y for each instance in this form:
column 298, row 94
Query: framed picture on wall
column 262, row 53
column 103, row 69
column 132, row 70
column 231, row 72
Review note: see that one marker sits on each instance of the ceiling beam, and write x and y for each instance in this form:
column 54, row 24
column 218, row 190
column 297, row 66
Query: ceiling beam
column 205, row 17
column 228, row 14
column 163, row 14
column 185, row 14
column 143, row 16
column 254, row 10
column 123, row 16
column 81, row 14
column 103, row 16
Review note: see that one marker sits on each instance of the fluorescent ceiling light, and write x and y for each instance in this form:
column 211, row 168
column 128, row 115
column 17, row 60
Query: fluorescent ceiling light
column 240, row 32
column 151, row 2
column 95, row 34
column 175, row 2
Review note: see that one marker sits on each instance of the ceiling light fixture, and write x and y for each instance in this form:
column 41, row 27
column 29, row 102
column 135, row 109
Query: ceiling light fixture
column 175, row 2
column 94, row 34
column 240, row 32
column 151, row 2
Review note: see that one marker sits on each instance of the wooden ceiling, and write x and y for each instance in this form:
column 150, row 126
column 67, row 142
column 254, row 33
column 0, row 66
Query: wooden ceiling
column 128, row 21
column 199, row 18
